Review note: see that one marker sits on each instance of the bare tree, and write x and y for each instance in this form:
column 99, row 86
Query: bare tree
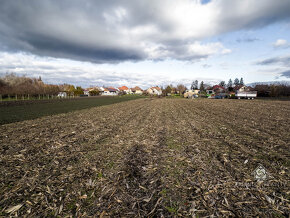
column 181, row 88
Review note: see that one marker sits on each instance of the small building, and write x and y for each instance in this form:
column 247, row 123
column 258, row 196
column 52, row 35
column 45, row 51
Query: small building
column 90, row 91
column 132, row 91
column 245, row 92
column 110, row 91
column 62, row 95
column 192, row 93
column 242, row 88
column 218, row 89
column 87, row 92
column 174, row 91
column 154, row 91
column 136, row 90
column 101, row 90
column 210, row 92
column 124, row 89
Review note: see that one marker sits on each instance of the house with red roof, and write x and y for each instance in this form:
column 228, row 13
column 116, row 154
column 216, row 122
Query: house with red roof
column 124, row 89
column 218, row 89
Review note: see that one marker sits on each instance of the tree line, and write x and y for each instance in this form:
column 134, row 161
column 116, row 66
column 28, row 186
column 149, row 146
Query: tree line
column 15, row 86
column 20, row 86
column 272, row 90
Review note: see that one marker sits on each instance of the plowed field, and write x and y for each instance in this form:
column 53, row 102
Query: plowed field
column 147, row 158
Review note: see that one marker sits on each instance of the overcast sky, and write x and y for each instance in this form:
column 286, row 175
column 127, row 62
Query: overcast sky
column 145, row 42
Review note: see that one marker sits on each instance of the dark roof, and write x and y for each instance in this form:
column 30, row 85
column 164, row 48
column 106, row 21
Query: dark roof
column 238, row 87
column 111, row 89
column 218, row 87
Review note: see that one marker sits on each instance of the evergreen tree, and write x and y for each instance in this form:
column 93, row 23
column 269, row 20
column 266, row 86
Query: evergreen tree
column 201, row 86
column 242, row 81
column 230, row 83
column 222, row 83
column 192, row 85
column 236, row 82
column 196, row 84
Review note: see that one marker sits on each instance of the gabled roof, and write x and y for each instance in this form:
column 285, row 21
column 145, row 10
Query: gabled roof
column 112, row 89
column 218, row 87
column 157, row 88
column 138, row 88
column 238, row 87
column 90, row 89
column 123, row 88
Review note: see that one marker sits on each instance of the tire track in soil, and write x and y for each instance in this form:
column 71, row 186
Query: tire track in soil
column 188, row 156
column 126, row 141
column 139, row 179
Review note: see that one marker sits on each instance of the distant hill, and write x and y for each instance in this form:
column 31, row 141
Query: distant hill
column 269, row 83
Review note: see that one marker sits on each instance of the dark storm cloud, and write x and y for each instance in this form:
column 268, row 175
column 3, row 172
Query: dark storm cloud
column 285, row 73
column 248, row 39
column 48, row 46
column 114, row 31
column 284, row 61
column 50, row 28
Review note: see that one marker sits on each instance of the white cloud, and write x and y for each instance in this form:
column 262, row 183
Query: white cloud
column 281, row 43
column 116, row 31
column 58, row 71
column 190, row 52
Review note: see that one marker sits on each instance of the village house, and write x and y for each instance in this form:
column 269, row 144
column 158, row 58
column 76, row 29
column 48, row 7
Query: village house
column 124, row 89
column 154, row 91
column 110, row 91
column 87, row 91
column 136, row 90
column 210, row 92
column 131, row 91
column 101, row 89
column 242, row 88
column 218, row 89
column 174, row 91
column 62, row 95
column 242, row 91
column 192, row 93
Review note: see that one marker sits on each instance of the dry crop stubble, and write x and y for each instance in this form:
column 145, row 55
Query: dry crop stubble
column 149, row 157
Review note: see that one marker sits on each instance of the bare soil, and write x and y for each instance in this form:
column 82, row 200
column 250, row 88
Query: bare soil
column 149, row 158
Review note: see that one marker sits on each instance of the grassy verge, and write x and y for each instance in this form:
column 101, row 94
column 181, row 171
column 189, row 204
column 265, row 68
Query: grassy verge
column 15, row 112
